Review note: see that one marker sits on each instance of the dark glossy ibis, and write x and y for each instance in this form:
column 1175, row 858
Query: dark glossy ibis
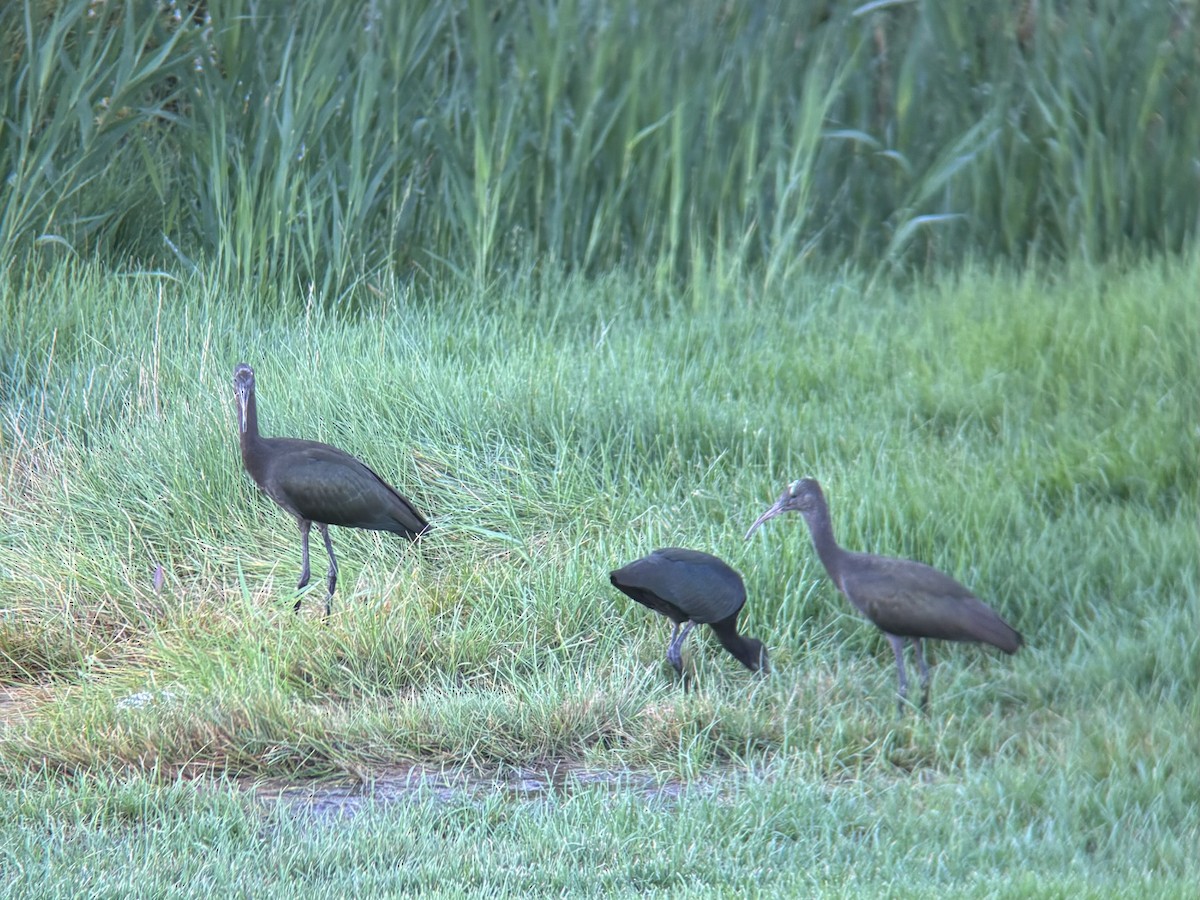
column 318, row 483
column 692, row 588
column 905, row 599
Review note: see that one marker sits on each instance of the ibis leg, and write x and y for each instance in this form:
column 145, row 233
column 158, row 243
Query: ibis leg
column 305, row 572
column 332, row 574
column 675, row 649
column 898, row 649
column 916, row 642
column 671, row 644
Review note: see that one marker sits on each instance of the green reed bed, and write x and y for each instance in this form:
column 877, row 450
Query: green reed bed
column 298, row 144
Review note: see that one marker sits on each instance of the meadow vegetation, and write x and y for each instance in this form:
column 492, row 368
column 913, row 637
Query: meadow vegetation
column 578, row 305
column 1034, row 435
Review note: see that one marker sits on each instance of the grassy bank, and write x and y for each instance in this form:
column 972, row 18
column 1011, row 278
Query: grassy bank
column 1034, row 435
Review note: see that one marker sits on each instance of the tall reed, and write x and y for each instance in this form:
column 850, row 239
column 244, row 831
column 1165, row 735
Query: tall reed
column 313, row 147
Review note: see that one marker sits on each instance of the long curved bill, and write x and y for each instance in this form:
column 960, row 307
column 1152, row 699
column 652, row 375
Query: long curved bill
column 771, row 513
column 243, row 399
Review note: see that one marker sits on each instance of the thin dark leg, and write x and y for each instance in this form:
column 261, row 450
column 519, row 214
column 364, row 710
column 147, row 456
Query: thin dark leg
column 305, row 572
column 916, row 642
column 671, row 642
column 675, row 650
column 332, row 566
column 898, row 649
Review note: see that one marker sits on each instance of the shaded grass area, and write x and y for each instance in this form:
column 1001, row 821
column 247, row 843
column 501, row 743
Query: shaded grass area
column 1034, row 435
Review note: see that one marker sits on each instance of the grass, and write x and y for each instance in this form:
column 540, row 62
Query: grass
column 774, row 832
column 1034, row 434
column 580, row 294
column 304, row 144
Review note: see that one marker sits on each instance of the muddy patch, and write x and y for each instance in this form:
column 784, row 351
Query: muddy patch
column 417, row 783
column 17, row 702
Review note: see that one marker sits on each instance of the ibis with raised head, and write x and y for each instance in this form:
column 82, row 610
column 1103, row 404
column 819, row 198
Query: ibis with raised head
column 906, row 600
column 318, row 484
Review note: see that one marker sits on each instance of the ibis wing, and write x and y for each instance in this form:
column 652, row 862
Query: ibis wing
column 910, row 599
column 322, row 483
column 683, row 584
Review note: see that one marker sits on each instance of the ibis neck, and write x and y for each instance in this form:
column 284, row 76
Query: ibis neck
column 741, row 649
column 248, row 436
column 828, row 550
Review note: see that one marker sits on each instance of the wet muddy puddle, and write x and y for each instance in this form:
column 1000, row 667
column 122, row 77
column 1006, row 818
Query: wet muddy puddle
column 417, row 783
